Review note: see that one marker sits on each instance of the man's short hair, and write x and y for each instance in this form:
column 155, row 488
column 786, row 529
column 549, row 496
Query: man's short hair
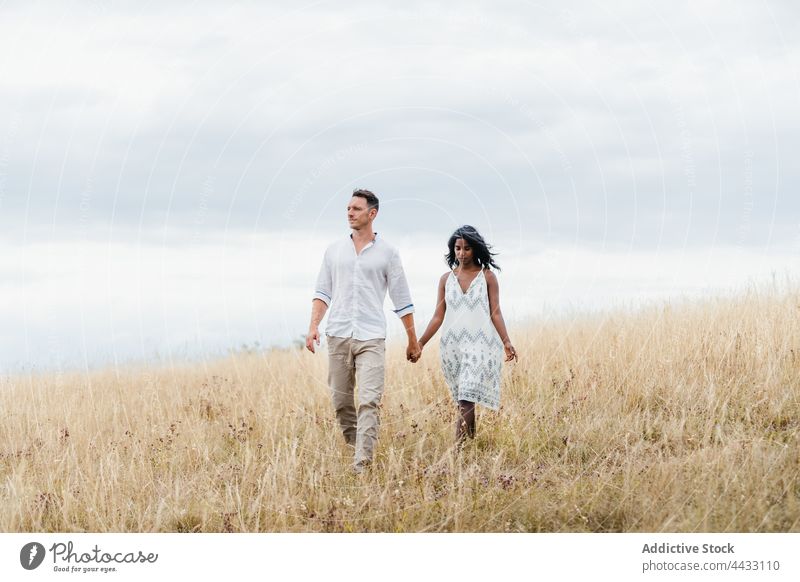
column 372, row 200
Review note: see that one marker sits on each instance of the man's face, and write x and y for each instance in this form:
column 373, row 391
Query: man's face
column 358, row 215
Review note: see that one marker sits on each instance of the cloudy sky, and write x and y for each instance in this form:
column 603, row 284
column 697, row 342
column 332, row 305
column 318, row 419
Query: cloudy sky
column 171, row 172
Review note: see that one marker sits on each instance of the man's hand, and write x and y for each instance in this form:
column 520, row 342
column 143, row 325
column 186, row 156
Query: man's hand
column 413, row 351
column 313, row 336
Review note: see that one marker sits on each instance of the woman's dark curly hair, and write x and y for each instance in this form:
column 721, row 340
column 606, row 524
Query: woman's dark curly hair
column 481, row 252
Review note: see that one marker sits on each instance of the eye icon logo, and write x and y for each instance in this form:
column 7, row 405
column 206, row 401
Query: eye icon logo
column 31, row 555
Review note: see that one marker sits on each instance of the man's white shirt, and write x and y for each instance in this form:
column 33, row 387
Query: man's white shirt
column 354, row 288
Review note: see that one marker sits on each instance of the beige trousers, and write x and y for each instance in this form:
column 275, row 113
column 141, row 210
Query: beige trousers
column 352, row 361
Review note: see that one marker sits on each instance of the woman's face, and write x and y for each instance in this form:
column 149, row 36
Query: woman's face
column 463, row 252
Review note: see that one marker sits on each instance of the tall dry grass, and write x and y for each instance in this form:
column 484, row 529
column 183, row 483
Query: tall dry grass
column 679, row 418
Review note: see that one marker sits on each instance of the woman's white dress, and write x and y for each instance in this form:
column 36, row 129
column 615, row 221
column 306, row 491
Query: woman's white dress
column 470, row 348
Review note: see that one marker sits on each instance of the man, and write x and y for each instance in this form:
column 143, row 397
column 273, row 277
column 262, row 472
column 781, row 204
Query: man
column 355, row 275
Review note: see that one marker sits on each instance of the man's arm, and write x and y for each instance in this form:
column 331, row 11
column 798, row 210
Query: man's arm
column 413, row 351
column 323, row 295
column 404, row 307
column 318, row 309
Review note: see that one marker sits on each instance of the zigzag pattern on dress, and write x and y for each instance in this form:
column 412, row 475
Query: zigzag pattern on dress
column 473, row 338
column 457, row 302
column 479, row 374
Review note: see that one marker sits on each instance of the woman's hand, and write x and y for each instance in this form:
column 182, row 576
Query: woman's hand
column 511, row 353
column 413, row 351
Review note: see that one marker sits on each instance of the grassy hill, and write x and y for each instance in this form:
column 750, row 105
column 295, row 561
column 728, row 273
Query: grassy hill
column 678, row 418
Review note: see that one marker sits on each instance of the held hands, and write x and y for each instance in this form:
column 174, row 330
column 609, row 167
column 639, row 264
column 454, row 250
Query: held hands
column 313, row 336
column 413, row 351
column 511, row 353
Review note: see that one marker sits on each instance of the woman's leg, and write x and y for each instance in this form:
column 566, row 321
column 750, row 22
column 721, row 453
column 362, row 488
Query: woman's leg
column 465, row 424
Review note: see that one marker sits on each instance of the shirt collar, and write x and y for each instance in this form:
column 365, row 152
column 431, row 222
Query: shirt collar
column 373, row 238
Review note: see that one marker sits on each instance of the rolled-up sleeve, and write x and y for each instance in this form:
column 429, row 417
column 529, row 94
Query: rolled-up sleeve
column 324, row 287
column 398, row 287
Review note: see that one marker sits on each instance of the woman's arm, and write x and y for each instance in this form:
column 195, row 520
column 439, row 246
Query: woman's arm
column 438, row 315
column 493, row 288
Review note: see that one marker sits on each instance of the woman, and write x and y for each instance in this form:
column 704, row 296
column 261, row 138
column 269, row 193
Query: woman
column 474, row 335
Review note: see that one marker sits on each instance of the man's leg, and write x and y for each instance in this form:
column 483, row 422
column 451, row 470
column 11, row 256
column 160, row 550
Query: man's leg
column 370, row 360
column 341, row 380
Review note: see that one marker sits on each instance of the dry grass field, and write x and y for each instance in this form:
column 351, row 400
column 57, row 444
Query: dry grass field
column 678, row 418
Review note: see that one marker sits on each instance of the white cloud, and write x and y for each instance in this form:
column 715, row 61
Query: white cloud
column 139, row 139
